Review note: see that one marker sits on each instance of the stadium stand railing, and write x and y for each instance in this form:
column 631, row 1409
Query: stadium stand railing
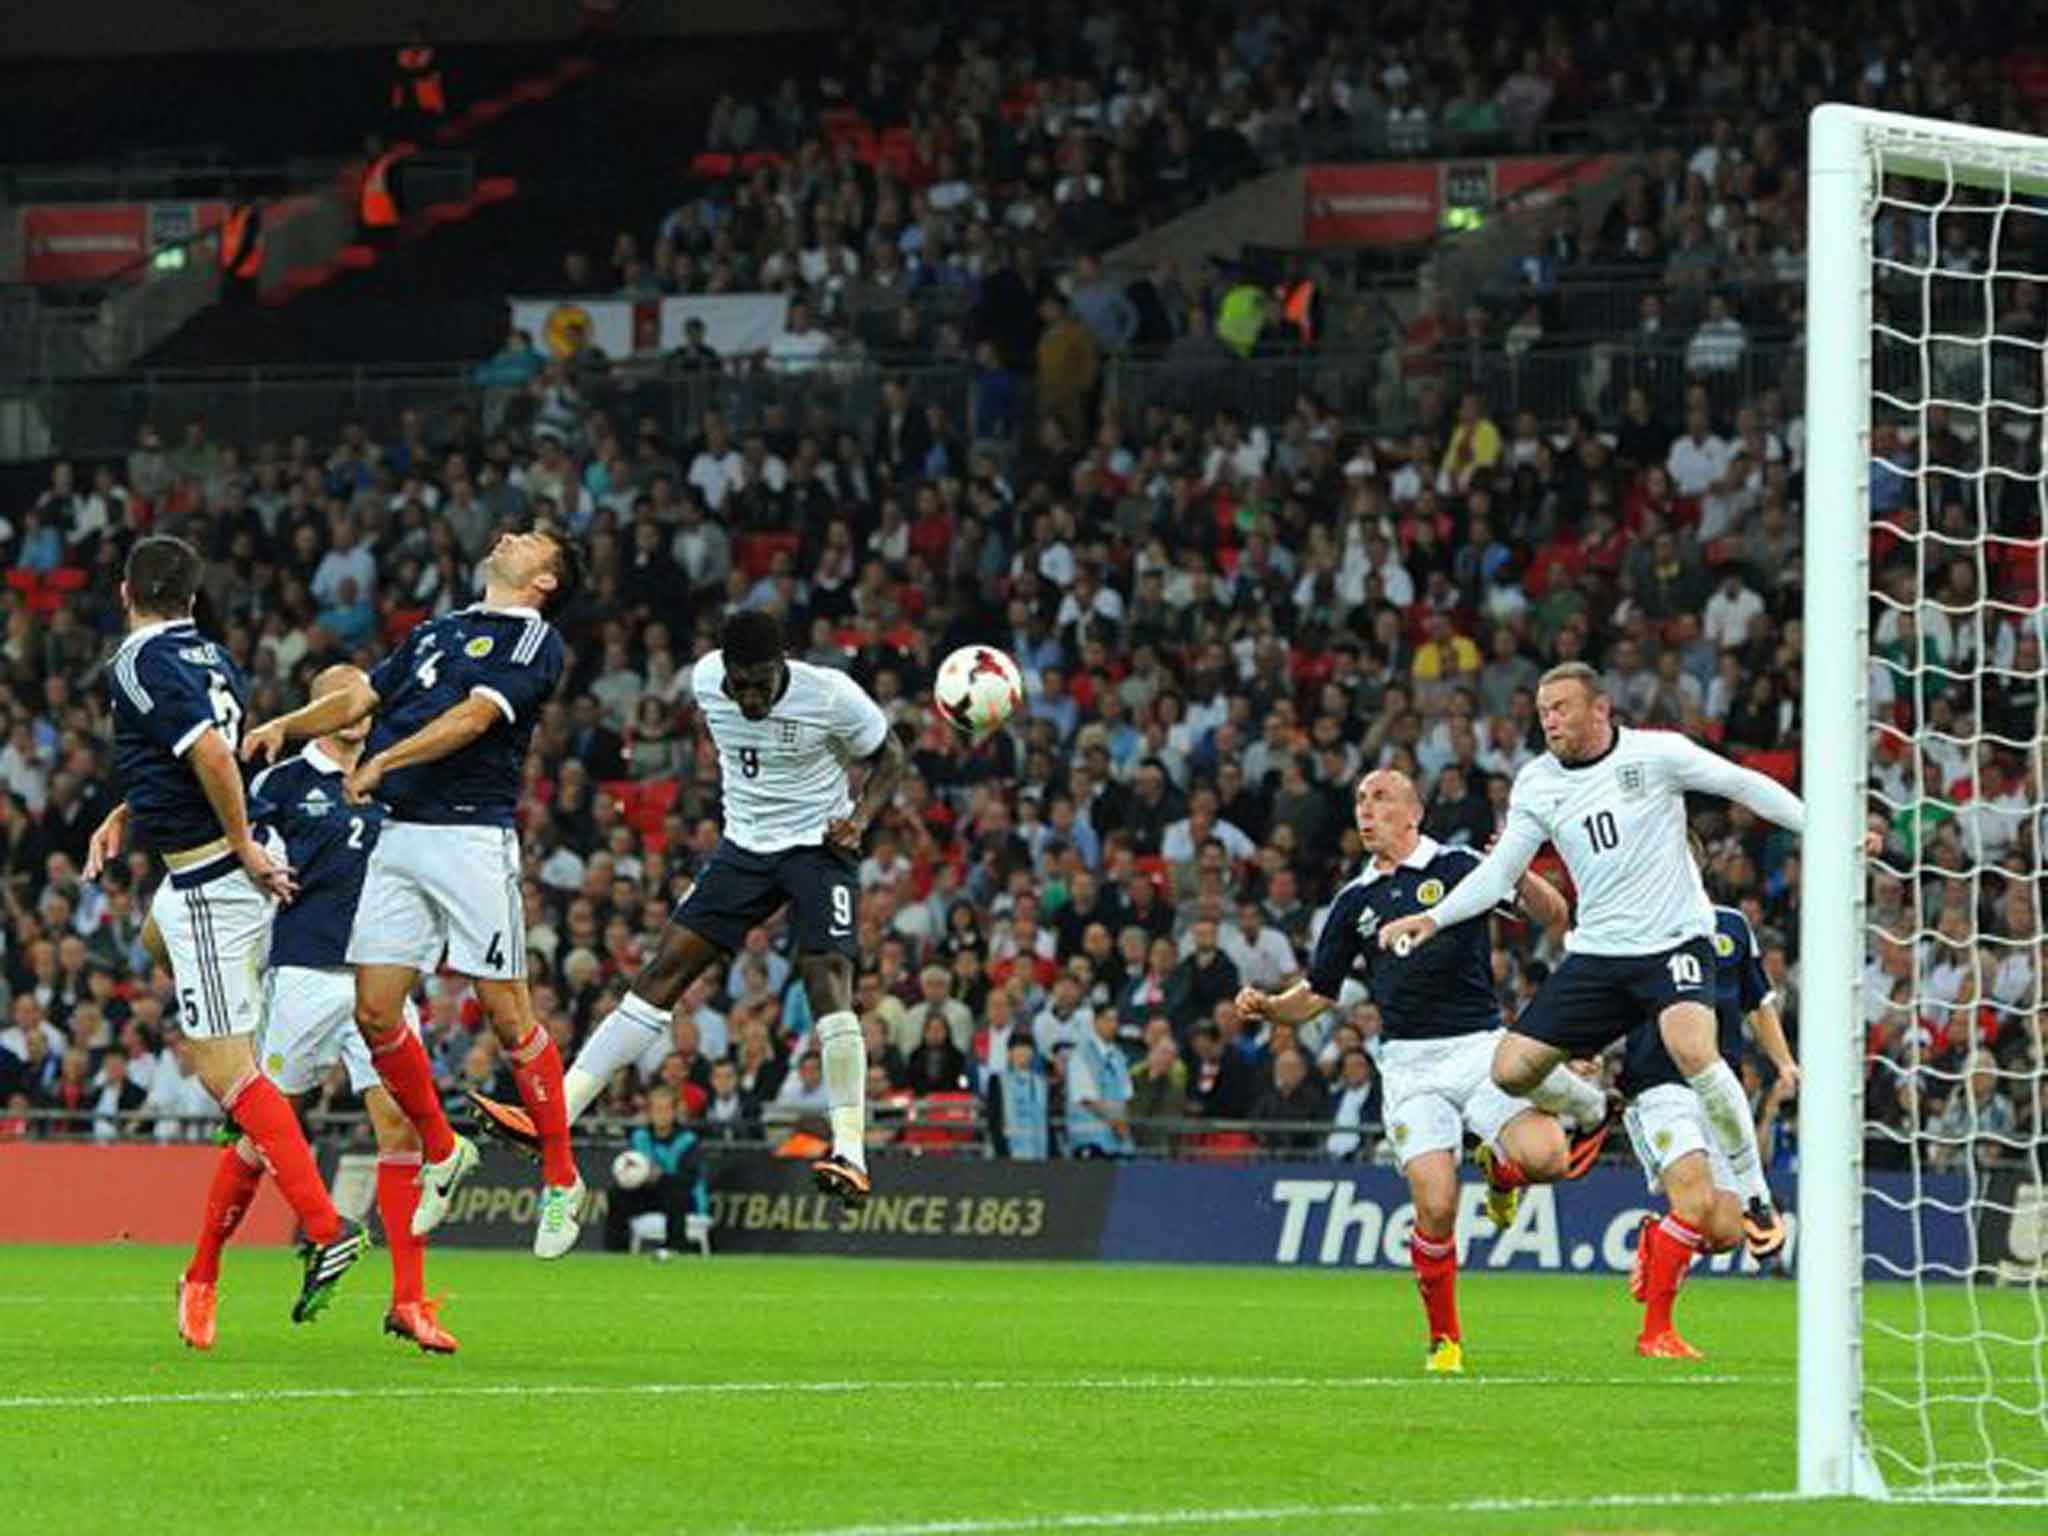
column 1555, row 377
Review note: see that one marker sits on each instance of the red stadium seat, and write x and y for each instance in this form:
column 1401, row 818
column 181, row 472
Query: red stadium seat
column 757, row 551
column 942, row 1122
column 1221, row 1146
column 1781, row 765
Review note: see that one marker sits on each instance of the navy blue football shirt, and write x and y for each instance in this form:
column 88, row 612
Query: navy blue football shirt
column 514, row 658
column 327, row 843
column 1740, row 988
column 168, row 683
column 1441, row 989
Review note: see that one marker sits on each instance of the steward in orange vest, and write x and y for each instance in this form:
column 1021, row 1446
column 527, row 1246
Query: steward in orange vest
column 416, row 85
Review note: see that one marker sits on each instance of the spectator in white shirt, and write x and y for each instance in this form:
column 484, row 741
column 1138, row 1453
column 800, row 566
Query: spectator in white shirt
column 184, row 1109
column 718, row 469
column 1234, row 457
column 1717, row 346
column 801, row 344
column 1699, row 458
column 1262, row 955
column 1730, row 611
column 1396, row 585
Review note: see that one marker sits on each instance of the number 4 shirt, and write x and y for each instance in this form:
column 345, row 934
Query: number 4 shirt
column 1618, row 821
column 168, row 684
column 511, row 656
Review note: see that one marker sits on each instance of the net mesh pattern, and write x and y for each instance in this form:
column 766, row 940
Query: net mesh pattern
column 1955, row 1330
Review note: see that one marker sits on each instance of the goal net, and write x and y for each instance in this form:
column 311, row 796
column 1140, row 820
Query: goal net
column 1923, row 1205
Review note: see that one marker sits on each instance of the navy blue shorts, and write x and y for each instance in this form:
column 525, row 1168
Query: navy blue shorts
column 739, row 891
column 1590, row 1001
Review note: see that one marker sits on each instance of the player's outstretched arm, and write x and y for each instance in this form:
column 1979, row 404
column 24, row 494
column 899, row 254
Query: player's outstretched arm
column 333, row 711
column 1496, row 878
column 1710, row 773
column 213, row 764
column 1296, row 1005
column 443, row 736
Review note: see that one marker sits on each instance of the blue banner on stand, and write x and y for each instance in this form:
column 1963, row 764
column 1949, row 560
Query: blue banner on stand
column 1349, row 1215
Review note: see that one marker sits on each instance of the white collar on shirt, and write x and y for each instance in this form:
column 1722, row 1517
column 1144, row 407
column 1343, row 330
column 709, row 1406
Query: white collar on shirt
column 510, row 613
column 1426, row 848
column 149, row 632
column 318, row 761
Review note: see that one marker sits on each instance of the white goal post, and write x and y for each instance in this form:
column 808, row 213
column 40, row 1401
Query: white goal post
column 1930, row 1383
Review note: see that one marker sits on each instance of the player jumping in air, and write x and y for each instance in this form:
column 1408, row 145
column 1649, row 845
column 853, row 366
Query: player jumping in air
column 178, row 701
column 1442, row 1021
column 1671, row 1141
column 1642, row 954
column 786, row 732
column 455, row 708
column 311, row 1023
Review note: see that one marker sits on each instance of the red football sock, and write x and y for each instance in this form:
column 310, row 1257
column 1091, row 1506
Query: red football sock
column 235, row 1177
column 402, row 1064
column 1436, row 1276
column 398, row 1196
column 266, row 1119
column 537, row 1069
column 1672, row 1246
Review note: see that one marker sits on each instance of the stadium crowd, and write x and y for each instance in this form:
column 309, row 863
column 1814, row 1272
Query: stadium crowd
column 1222, row 618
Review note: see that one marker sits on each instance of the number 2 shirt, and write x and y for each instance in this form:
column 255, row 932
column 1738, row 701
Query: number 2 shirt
column 511, row 656
column 168, row 684
column 327, row 843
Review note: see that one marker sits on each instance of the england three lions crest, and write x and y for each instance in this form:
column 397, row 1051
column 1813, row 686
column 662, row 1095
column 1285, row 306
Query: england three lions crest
column 1630, row 777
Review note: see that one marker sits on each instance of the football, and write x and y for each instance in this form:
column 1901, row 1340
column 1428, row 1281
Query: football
column 978, row 689
column 632, row 1170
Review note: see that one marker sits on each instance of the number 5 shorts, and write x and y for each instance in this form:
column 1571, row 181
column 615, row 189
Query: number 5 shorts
column 431, row 889
column 216, row 924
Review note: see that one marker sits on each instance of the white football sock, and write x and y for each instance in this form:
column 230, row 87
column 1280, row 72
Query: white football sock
column 1570, row 1097
column 623, row 1037
column 845, row 1056
column 1734, row 1132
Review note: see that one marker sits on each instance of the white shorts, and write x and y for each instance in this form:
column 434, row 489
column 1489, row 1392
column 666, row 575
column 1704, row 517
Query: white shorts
column 1436, row 1090
column 430, row 889
column 217, row 930
column 1666, row 1123
column 310, row 1024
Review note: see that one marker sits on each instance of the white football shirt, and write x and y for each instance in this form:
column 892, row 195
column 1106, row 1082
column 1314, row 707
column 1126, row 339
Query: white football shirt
column 784, row 778
column 1619, row 824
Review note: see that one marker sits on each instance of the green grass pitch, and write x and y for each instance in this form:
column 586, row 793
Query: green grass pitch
column 782, row 1395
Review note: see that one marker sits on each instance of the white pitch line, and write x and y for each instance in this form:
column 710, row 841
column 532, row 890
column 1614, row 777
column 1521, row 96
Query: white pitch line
column 1289, row 1514
column 854, row 1388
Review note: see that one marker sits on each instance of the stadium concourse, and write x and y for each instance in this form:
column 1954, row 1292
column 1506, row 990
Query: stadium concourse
column 1223, row 615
